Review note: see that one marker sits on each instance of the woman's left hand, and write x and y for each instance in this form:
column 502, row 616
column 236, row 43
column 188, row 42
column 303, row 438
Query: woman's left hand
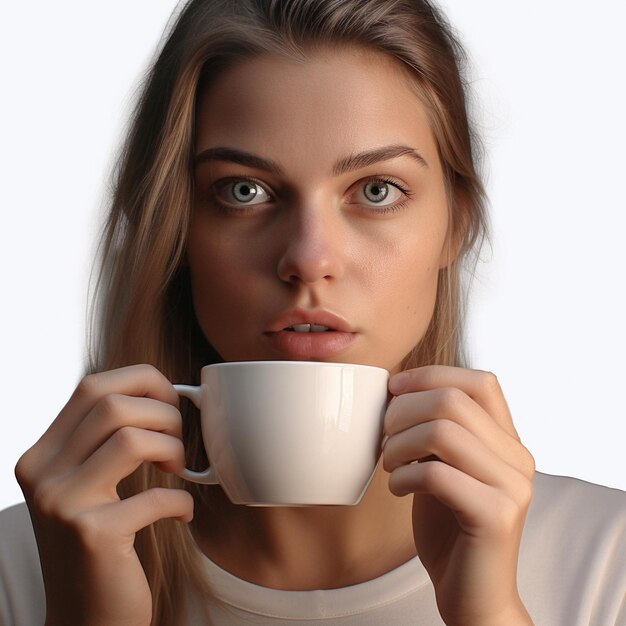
column 451, row 442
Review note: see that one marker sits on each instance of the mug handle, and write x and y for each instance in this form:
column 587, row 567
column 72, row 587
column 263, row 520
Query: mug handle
column 207, row 477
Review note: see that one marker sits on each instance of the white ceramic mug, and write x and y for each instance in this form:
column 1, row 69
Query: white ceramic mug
column 290, row 433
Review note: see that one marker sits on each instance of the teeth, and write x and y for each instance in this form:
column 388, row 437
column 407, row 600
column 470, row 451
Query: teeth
column 308, row 328
column 301, row 328
column 318, row 328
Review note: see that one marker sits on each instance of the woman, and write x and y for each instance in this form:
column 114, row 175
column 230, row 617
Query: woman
column 317, row 158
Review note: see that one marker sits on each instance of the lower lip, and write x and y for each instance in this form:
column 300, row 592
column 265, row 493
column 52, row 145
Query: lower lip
column 310, row 345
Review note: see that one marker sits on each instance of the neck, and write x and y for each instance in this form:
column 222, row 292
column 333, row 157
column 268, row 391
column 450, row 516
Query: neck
column 303, row 548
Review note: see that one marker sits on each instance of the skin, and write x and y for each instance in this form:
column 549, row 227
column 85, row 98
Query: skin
column 320, row 242
column 315, row 241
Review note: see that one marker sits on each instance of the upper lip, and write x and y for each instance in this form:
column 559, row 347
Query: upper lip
column 309, row 316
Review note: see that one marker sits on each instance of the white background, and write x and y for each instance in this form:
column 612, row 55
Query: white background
column 549, row 307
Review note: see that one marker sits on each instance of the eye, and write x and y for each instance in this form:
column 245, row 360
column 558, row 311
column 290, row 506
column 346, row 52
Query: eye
column 240, row 191
column 385, row 194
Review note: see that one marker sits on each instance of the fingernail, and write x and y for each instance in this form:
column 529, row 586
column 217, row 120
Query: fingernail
column 398, row 382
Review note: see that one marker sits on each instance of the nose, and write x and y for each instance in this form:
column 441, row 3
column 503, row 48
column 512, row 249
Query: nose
column 312, row 251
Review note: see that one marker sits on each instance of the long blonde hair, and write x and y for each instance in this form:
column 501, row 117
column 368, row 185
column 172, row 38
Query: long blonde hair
column 142, row 309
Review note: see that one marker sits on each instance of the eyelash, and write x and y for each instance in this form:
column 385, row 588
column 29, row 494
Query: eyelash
column 398, row 206
column 242, row 210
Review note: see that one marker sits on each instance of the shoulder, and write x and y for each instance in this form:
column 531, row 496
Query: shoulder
column 551, row 490
column 572, row 503
column 573, row 551
column 22, row 599
column 575, row 515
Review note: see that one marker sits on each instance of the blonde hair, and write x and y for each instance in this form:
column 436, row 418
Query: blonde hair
column 142, row 309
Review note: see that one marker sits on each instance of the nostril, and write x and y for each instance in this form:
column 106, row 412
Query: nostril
column 307, row 263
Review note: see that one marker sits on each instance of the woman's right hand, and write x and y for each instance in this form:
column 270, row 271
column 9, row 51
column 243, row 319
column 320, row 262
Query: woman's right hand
column 113, row 422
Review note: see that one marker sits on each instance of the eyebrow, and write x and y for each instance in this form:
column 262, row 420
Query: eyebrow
column 346, row 164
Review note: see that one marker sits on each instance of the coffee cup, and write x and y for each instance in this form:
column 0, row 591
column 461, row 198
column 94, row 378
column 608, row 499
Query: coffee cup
column 290, row 433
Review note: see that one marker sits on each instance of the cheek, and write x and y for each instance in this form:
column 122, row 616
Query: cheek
column 410, row 288
column 410, row 267
column 217, row 278
column 415, row 298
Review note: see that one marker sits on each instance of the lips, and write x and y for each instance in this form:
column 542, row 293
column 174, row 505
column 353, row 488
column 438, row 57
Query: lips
column 317, row 317
column 312, row 342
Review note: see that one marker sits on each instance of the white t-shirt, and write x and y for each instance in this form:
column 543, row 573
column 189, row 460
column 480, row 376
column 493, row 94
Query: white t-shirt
column 572, row 572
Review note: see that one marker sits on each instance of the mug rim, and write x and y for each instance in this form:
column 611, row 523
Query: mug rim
column 296, row 363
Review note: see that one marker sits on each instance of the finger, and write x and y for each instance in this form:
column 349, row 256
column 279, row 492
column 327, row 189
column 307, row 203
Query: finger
column 154, row 504
column 134, row 380
column 452, row 404
column 113, row 412
column 456, row 446
column 126, row 517
column 474, row 504
column 121, row 455
column 483, row 387
column 417, row 407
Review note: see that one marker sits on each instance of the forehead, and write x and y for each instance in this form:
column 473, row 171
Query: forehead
column 347, row 98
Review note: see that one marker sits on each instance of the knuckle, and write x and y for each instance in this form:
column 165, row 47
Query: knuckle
column 154, row 379
column 433, row 473
column 88, row 386
column 160, row 498
column 527, row 462
column 440, row 432
column 127, row 439
column 451, row 399
column 489, row 381
column 176, row 455
column 25, row 469
column 150, row 372
column 525, row 494
column 156, row 498
column 179, row 450
column 507, row 515
column 111, row 405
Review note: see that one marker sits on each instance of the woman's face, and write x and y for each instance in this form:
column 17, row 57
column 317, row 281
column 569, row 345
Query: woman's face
column 319, row 200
